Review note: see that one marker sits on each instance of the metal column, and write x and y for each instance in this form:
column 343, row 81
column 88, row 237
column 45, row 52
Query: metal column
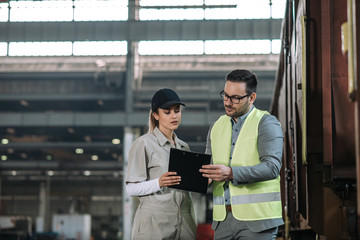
column 129, row 204
column 130, row 134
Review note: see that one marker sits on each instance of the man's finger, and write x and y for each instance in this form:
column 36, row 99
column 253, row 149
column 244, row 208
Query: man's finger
column 208, row 166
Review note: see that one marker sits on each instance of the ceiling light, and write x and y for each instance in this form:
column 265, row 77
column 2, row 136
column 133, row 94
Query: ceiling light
column 3, row 158
column 10, row 130
column 94, row 157
column 4, row 141
column 24, row 103
column 79, row 151
column 87, row 173
column 100, row 102
column 116, row 141
column 87, row 138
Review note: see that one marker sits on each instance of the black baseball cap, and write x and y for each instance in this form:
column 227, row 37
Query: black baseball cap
column 165, row 98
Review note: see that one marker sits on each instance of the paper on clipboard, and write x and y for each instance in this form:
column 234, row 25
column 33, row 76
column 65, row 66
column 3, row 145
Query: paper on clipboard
column 187, row 165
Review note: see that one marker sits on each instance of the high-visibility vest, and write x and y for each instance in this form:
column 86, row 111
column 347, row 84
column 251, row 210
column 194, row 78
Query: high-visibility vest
column 249, row 202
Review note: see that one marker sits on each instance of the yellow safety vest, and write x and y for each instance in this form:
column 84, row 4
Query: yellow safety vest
column 249, row 202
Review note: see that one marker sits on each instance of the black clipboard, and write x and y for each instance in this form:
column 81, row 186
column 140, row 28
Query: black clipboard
column 187, row 164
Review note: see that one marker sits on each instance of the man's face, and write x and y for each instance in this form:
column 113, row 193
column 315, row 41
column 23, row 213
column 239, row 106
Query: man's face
column 237, row 89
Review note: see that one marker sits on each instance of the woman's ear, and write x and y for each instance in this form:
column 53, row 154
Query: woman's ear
column 156, row 116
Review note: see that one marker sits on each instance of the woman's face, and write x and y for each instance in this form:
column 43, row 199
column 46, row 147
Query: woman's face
column 169, row 119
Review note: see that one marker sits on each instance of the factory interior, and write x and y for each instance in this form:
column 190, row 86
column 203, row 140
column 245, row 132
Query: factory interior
column 76, row 82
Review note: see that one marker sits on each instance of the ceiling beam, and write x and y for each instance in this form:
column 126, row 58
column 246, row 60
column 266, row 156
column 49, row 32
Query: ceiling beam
column 59, row 145
column 81, row 119
column 56, row 165
column 141, row 30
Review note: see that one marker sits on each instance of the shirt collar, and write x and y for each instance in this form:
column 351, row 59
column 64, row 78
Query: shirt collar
column 161, row 137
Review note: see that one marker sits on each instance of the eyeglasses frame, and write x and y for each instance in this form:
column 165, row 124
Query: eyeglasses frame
column 224, row 95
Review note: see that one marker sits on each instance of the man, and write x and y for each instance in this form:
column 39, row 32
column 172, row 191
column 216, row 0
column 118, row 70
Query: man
column 246, row 146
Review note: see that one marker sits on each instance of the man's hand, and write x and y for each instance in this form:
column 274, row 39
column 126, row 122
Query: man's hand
column 169, row 179
column 217, row 172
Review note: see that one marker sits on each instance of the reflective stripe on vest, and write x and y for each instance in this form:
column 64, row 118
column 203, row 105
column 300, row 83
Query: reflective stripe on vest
column 255, row 198
column 255, row 201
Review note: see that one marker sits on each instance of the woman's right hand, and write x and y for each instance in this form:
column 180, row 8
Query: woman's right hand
column 169, row 179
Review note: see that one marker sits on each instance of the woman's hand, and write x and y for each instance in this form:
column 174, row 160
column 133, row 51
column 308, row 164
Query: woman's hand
column 169, row 179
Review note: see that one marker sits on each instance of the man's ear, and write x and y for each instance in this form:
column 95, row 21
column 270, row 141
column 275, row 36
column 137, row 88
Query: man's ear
column 252, row 97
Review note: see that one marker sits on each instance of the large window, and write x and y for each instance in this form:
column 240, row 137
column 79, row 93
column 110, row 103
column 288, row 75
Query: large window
column 117, row 10
column 210, row 9
column 89, row 48
column 119, row 48
column 170, row 47
column 40, row 48
column 3, row 48
column 100, row 48
column 4, row 12
column 209, row 47
column 64, row 10
column 95, row 10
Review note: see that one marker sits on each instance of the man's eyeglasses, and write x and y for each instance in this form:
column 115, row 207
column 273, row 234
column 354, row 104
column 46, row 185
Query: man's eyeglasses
column 233, row 99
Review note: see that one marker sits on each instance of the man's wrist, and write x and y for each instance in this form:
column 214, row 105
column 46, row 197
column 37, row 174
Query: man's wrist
column 231, row 176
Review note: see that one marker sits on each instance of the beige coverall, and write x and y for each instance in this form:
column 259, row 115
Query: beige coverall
column 166, row 214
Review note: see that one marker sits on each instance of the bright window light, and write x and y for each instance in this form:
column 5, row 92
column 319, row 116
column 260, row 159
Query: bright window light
column 171, row 14
column 170, row 3
column 28, row 11
column 4, row 12
column 40, row 48
column 238, row 47
column 221, row 13
column 238, row 9
column 100, row 48
column 170, row 47
column 278, row 8
column 222, row 2
column 3, row 48
column 117, row 10
column 255, row 9
column 276, row 46
column 95, row 10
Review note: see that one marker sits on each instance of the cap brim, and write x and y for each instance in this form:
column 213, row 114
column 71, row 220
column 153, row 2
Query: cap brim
column 169, row 104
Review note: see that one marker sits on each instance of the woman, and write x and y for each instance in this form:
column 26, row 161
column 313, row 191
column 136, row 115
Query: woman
column 163, row 213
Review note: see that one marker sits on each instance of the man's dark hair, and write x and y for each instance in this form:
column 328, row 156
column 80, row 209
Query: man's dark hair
column 241, row 75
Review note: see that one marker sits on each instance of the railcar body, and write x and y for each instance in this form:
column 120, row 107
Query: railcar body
column 316, row 99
